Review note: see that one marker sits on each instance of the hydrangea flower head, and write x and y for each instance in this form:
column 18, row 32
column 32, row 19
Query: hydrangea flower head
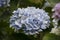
column 56, row 10
column 31, row 20
column 4, row 3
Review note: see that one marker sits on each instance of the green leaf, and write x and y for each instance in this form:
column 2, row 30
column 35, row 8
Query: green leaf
column 51, row 37
column 53, row 2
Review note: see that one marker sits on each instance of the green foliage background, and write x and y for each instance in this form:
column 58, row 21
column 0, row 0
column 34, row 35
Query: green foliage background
column 7, row 33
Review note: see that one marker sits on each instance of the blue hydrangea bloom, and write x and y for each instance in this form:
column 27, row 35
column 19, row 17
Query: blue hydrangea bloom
column 34, row 20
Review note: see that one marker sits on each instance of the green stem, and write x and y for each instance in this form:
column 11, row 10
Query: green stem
column 40, row 36
column 18, row 3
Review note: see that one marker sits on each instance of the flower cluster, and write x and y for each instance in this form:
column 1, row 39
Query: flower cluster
column 4, row 2
column 56, row 10
column 31, row 20
column 56, row 15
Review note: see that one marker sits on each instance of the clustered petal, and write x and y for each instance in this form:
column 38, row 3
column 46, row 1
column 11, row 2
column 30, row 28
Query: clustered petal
column 56, row 10
column 31, row 20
